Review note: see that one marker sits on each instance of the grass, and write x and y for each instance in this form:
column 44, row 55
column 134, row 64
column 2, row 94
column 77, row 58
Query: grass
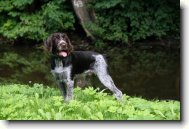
column 23, row 102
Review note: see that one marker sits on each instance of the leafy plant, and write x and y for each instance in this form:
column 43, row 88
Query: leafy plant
column 127, row 21
column 119, row 21
column 21, row 102
column 30, row 20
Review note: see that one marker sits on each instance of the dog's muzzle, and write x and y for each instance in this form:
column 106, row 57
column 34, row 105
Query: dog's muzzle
column 62, row 48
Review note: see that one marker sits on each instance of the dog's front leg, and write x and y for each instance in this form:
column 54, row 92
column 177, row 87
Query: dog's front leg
column 63, row 88
column 60, row 82
column 69, row 91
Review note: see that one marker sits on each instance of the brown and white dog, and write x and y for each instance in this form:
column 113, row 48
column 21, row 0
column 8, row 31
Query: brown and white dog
column 66, row 63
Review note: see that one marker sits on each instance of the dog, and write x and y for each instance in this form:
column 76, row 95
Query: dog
column 66, row 63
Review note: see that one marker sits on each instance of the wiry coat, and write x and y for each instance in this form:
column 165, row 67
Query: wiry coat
column 66, row 63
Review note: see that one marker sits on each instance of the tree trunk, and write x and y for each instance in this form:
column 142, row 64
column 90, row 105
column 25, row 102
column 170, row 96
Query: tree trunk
column 85, row 15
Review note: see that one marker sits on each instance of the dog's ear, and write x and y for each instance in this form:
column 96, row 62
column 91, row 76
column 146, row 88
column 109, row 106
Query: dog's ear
column 48, row 44
column 70, row 46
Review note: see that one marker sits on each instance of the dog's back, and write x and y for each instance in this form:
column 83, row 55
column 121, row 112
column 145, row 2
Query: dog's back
column 82, row 60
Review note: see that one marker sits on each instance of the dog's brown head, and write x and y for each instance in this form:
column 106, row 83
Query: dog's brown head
column 59, row 44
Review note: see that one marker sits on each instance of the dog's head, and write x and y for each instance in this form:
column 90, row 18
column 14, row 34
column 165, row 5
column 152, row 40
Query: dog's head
column 59, row 44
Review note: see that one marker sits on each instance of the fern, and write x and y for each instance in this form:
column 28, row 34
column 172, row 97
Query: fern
column 17, row 104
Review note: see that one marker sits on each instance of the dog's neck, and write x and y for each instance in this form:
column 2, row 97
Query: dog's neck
column 65, row 61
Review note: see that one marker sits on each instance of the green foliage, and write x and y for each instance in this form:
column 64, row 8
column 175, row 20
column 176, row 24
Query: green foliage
column 25, row 18
column 55, row 18
column 21, row 102
column 122, row 21
column 131, row 20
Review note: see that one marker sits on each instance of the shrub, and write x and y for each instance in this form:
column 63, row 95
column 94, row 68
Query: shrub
column 120, row 21
column 31, row 20
column 21, row 102
column 130, row 20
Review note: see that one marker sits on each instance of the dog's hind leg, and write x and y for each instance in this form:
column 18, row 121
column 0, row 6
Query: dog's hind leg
column 100, row 68
column 107, row 81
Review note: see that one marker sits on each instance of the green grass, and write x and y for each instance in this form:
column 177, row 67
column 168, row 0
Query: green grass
column 21, row 102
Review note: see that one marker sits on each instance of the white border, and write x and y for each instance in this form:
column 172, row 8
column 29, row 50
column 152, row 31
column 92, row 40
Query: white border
column 3, row 124
column 185, row 61
column 126, row 125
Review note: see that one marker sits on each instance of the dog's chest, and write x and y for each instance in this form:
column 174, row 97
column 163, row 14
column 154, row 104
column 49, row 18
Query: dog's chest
column 61, row 72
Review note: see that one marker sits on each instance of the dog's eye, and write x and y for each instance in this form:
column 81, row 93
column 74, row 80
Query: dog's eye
column 58, row 37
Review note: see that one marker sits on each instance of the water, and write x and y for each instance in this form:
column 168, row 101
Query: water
column 150, row 73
